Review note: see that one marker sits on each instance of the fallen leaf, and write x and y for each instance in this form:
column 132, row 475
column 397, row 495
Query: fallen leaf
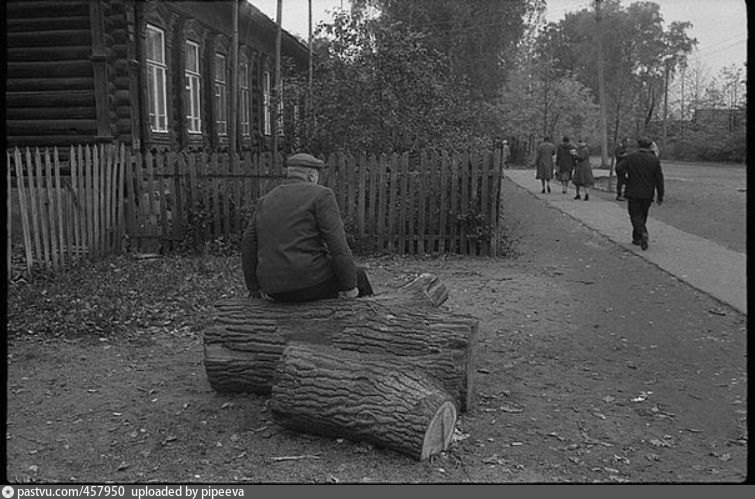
column 659, row 443
column 122, row 466
column 511, row 408
column 608, row 399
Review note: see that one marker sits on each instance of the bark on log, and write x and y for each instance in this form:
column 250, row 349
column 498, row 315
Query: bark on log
column 247, row 337
column 376, row 398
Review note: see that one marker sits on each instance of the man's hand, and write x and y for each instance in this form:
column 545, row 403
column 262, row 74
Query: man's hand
column 350, row 294
column 659, row 202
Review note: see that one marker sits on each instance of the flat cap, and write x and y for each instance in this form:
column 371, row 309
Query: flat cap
column 644, row 142
column 305, row 160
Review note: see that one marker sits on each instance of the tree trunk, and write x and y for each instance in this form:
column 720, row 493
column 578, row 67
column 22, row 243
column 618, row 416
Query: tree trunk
column 375, row 398
column 247, row 337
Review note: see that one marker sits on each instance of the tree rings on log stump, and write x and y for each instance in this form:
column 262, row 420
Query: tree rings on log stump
column 376, row 398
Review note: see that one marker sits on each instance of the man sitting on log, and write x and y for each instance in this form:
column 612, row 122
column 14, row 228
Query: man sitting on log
column 294, row 248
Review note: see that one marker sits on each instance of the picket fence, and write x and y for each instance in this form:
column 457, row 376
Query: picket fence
column 106, row 199
column 68, row 211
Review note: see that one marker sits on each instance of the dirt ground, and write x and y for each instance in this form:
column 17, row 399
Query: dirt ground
column 594, row 366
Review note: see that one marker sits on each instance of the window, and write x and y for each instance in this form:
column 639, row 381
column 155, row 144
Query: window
column 244, row 88
column 280, row 111
column 193, row 115
column 158, row 119
column 267, row 125
column 221, row 121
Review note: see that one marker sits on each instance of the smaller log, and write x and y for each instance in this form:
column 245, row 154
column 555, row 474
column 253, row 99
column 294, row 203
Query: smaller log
column 362, row 397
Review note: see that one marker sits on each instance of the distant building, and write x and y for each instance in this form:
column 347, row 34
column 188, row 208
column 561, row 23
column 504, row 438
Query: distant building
column 151, row 74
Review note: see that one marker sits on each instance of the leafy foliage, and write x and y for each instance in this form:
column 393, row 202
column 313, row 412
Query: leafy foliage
column 379, row 88
column 639, row 55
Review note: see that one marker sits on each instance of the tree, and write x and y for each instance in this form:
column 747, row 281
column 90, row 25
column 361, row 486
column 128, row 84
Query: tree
column 640, row 57
column 478, row 37
column 379, row 87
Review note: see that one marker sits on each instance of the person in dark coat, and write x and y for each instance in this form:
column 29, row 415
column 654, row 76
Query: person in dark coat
column 583, row 177
column 644, row 179
column 620, row 153
column 544, row 163
column 294, row 248
column 565, row 159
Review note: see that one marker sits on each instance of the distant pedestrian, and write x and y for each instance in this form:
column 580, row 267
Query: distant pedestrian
column 644, row 180
column 655, row 149
column 583, row 177
column 620, row 153
column 565, row 159
column 505, row 153
column 544, row 163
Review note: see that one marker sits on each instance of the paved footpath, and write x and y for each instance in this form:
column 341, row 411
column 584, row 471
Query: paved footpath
column 703, row 264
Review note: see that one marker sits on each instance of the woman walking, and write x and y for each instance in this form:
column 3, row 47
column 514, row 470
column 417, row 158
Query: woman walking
column 544, row 163
column 582, row 170
column 565, row 155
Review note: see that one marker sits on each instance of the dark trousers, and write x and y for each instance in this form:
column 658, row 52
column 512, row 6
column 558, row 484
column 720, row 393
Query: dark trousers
column 327, row 289
column 638, row 214
column 621, row 182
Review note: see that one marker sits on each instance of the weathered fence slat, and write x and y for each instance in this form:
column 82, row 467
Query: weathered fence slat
column 23, row 207
column 442, row 215
column 403, row 199
column 33, row 204
column 361, row 195
column 51, row 209
column 160, row 194
column 60, row 208
column 424, row 171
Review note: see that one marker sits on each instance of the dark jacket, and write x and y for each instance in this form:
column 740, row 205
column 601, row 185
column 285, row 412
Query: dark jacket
column 620, row 152
column 295, row 239
column 564, row 158
column 644, row 175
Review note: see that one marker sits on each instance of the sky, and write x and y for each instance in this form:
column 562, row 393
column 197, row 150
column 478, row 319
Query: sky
column 720, row 26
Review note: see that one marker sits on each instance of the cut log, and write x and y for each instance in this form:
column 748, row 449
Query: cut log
column 248, row 336
column 376, row 398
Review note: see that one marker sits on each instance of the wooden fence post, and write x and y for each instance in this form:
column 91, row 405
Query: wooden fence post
column 64, row 248
column 404, row 199
column 443, row 215
column 23, row 206
column 424, row 171
column 51, row 208
column 34, row 204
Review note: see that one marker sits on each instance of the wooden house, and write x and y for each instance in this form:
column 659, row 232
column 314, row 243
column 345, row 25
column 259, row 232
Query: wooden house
column 153, row 74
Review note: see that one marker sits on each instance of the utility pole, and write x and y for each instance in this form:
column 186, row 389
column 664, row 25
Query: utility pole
column 277, row 92
column 665, row 105
column 310, row 94
column 233, row 125
column 681, row 122
column 602, row 93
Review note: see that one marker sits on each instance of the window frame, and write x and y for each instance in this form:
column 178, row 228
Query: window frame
column 193, row 89
column 267, row 122
column 244, row 97
column 156, row 73
column 221, row 94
